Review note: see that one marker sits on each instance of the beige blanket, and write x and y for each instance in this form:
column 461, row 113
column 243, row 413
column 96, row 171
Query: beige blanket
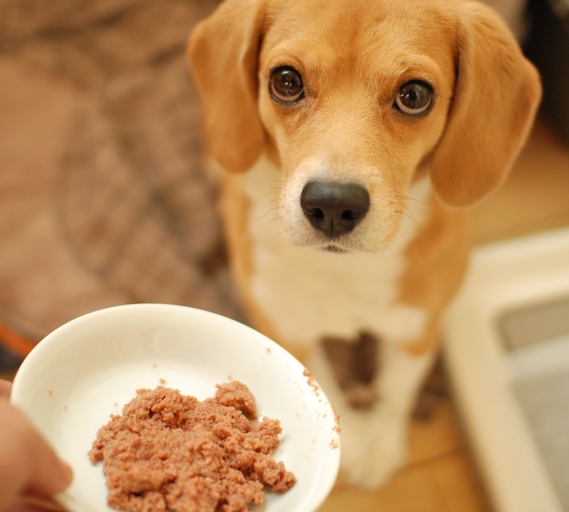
column 103, row 195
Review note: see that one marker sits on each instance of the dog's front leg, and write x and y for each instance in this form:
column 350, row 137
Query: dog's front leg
column 375, row 436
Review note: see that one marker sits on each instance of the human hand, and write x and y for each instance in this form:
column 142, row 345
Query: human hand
column 30, row 471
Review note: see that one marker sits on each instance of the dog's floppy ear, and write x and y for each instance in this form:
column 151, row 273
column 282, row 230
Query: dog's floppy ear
column 223, row 53
column 495, row 99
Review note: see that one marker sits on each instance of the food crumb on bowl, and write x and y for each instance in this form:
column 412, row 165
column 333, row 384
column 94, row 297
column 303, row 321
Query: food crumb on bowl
column 312, row 382
column 168, row 451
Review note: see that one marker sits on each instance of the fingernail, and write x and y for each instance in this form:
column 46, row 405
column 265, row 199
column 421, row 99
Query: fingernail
column 66, row 474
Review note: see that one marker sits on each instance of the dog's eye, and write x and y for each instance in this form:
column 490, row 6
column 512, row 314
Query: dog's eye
column 414, row 98
column 285, row 85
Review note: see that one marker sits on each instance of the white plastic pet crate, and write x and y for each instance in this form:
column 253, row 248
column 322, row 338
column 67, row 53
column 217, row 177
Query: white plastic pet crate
column 507, row 352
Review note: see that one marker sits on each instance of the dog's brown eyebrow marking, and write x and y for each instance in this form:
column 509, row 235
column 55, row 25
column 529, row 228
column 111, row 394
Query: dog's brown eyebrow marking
column 355, row 364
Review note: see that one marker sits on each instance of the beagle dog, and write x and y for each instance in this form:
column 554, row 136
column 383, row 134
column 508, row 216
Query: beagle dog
column 353, row 134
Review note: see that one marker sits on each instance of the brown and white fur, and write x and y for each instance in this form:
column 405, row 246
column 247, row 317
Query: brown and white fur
column 361, row 306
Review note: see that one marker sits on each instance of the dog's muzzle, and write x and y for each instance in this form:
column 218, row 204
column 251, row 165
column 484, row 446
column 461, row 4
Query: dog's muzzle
column 334, row 208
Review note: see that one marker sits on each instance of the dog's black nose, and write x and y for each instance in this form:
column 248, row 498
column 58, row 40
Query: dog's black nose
column 333, row 207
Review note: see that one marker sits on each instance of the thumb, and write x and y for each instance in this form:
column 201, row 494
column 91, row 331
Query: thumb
column 27, row 462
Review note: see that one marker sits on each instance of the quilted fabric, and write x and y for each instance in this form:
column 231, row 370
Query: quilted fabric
column 104, row 196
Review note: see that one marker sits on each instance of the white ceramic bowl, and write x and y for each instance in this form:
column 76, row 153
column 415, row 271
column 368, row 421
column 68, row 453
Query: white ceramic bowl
column 87, row 369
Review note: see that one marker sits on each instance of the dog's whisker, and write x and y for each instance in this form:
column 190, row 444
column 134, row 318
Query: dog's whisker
column 402, row 201
column 408, row 215
column 411, row 242
column 417, row 252
column 269, row 202
column 263, row 215
column 408, row 238
column 401, row 204
column 404, row 233
column 258, row 228
column 273, row 189
column 407, row 198
column 387, row 244
column 406, row 210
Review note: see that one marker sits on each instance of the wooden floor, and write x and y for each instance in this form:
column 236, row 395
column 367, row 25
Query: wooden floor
column 441, row 476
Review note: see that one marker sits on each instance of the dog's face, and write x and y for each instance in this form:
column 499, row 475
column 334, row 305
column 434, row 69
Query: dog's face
column 355, row 100
column 352, row 104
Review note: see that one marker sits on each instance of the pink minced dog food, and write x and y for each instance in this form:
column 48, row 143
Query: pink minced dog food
column 172, row 452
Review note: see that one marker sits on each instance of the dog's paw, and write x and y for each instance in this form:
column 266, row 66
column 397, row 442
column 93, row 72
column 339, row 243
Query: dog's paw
column 374, row 445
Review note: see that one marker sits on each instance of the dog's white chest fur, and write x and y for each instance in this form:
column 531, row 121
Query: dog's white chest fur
column 308, row 293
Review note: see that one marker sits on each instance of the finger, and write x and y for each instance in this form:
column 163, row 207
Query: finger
column 33, row 503
column 37, row 504
column 5, row 388
column 27, row 463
